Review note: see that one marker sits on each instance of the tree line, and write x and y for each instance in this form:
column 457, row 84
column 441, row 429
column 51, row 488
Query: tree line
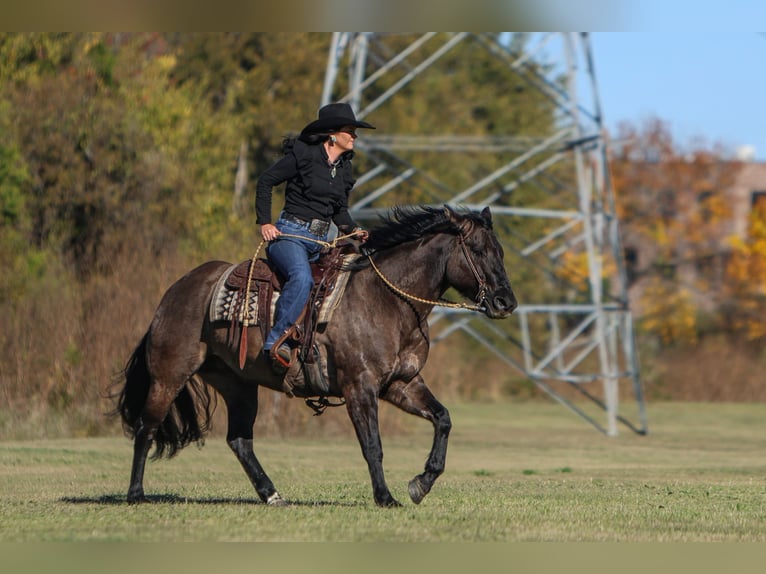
column 128, row 158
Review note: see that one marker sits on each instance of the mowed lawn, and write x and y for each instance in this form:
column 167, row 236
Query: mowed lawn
column 515, row 472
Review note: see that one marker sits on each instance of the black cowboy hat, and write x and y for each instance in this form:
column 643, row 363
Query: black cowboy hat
column 334, row 116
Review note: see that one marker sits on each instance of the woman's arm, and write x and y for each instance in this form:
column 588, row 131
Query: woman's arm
column 279, row 172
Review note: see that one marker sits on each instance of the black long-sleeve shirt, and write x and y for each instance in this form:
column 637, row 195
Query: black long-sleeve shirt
column 311, row 191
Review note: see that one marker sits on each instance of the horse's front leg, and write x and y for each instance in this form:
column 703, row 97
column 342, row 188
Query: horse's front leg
column 415, row 397
column 362, row 405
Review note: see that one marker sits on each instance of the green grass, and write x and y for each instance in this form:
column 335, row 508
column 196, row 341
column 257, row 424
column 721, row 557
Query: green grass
column 515, row 472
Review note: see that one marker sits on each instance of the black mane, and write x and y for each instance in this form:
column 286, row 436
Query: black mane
column 409, row 223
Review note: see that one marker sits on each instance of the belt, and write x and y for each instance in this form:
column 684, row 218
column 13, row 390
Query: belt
column 315, row 226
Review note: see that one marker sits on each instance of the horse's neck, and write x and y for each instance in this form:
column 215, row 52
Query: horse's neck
column 419, row 268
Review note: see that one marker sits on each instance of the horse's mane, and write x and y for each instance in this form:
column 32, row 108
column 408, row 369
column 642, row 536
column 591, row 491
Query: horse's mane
column 406, row 223
column 410, row 223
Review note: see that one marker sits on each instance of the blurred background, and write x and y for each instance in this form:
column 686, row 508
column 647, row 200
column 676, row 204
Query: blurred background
column 127, row 159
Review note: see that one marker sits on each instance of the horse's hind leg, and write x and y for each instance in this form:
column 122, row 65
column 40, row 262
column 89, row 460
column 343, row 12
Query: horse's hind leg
column 415, row 397
column 142, row 442
column 170, row 372
column 242, row 406
column 155, row 410
column 141, row 445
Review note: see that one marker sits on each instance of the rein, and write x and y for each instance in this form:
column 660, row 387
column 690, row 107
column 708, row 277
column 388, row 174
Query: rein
column 330, row 244
column 480, row 296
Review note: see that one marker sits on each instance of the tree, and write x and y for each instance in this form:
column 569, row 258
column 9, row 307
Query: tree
column 673, row 205
column 745, row 286
column 18, row 259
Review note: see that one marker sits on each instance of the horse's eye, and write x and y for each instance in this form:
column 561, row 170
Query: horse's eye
column 477, row 249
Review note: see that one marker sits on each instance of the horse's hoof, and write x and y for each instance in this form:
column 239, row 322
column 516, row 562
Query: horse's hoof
column 276, row 500
column 390, row 502
column 416, row 490
column 137, row 498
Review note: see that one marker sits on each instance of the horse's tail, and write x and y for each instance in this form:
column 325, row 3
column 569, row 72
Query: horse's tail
column 181, row 425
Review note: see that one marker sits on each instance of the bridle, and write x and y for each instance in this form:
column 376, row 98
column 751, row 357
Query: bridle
column 481, row 296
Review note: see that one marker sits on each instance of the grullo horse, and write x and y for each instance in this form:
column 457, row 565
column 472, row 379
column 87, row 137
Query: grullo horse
column 375, row 347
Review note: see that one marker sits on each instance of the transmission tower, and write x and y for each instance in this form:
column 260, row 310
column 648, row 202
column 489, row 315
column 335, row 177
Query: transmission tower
column 583, row 343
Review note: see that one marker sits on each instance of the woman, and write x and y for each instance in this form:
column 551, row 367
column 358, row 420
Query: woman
column 317, row 168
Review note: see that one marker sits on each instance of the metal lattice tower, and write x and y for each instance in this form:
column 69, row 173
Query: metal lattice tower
column 582, row 339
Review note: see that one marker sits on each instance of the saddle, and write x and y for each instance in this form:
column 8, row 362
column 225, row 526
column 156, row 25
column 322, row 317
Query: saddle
column 265, row 280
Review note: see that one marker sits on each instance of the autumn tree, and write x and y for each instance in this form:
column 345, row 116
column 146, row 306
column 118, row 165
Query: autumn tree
column 745, row 284
column 676, row 221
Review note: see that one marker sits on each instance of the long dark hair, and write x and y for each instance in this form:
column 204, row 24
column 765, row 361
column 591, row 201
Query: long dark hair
column 310, row 138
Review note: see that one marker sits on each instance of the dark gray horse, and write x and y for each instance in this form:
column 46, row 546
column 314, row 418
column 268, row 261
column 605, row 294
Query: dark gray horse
column 376, row 346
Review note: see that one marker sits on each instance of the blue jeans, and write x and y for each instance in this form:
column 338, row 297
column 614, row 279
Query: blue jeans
column 292, row 257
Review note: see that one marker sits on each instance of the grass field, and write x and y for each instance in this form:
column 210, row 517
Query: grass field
column 515, row 472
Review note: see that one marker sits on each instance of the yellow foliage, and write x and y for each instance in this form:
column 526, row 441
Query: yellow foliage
column 676, row 215
column 573, row 269
column 746, row 278
column 670, row 313
column 166, row 62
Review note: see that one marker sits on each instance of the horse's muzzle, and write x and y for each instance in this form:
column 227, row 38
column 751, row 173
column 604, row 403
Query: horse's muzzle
column 500, row 304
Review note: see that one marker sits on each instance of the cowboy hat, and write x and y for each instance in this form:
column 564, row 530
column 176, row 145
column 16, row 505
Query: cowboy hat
column 334, row 116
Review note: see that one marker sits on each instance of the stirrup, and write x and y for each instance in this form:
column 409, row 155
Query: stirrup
column 281, row 358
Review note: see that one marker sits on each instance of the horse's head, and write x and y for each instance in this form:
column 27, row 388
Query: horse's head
column 476, row 267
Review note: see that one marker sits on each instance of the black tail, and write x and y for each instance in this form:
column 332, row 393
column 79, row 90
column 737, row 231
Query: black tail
column 181, row 425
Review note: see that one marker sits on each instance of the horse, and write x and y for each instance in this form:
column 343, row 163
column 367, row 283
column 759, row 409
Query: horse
column 376, row 346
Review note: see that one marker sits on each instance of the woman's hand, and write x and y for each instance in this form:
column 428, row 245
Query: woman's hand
column 361, row 234
column 269, row 231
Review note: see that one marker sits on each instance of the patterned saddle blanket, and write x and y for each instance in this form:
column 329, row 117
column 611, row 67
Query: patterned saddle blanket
column 226, row 303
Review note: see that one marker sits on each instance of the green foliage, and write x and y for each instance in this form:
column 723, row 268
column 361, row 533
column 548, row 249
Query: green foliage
column 27, row 57
column 19, row 261
column 103, row 59
column 126, row 134
column 13, row 176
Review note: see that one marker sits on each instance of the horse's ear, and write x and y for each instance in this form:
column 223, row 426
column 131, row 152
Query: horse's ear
column 486, row 214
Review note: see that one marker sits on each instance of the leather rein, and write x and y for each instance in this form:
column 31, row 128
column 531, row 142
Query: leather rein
column 481, row 295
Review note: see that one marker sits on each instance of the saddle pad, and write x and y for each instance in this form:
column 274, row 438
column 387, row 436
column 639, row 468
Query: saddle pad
column 225, row 299
column 332, row 299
